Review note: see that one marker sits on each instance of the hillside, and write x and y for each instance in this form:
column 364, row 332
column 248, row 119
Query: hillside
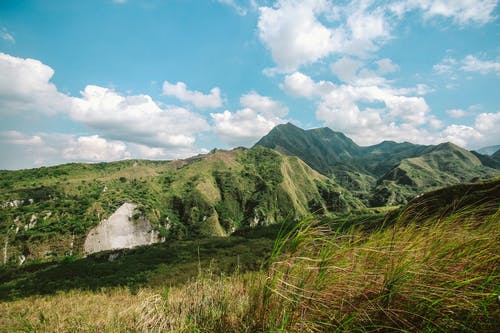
column 442, row 165
column 396, row 275
column 490, row 150
column 47, row 212
column 320, row 148
column 496, row 156
column 388, row 173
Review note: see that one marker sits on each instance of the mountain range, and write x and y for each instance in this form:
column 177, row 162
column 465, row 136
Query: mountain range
column 47, row 212
column 387, row 173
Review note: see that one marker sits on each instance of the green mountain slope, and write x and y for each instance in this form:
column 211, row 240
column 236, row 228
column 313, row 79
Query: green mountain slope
column 320, row 148
column 47, row 212
column 444, row 164
column 387, row 173
column 496, row 156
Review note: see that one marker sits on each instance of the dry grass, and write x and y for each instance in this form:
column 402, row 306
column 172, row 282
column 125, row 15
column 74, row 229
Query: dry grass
column 431, row 276
column 435, row 276
column 208, row 303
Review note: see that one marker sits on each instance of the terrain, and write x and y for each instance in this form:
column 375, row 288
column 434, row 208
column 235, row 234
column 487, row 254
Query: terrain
column 388, row 173
column 431, row 265
column 305, row 231
column 49, row 213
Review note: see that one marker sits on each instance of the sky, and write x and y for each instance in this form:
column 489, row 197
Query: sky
column 104, row 80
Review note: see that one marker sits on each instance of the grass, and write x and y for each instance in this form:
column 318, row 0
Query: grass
column 421, row 272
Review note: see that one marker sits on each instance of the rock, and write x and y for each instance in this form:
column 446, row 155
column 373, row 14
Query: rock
column 120, row 232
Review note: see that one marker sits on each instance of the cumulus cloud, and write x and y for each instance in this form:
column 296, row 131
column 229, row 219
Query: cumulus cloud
column 387, row 114
column 27, row 150
column 298, row 33
column 136, row 118
column 202, row 101
column 386, row 66
column 358, row 73
column 484, row 132
column 25, row 87
column 136, row 122
column 370, row 114
column 94, row 148
column 303, row 32
column 18, row 138
column 460, row 11
column 263, row 104
column 243, row 127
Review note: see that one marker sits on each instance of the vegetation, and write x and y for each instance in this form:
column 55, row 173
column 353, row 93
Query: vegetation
column 430, row 266
column 47, row 212
column 385, row 174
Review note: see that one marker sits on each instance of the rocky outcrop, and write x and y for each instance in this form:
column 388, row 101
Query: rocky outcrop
column 121, row 231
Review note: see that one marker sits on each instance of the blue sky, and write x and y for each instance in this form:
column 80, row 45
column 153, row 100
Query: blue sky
column 107, row 80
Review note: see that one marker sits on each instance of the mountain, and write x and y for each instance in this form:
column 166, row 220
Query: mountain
column 490, row 150
column 439, row 166
column 489, row 161
column 320, row 148
column 496, row 156
column 51, row 212
column 387, row 173
column 47, row 212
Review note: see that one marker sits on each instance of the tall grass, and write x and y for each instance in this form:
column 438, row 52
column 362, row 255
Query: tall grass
column 436, row 273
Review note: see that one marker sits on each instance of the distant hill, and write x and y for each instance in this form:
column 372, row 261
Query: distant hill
column 439, row 166
column 387, row 173
column 496, row 156
column 490, row 150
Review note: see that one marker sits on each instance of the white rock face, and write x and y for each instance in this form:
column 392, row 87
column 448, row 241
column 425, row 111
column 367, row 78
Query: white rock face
column 120, row 232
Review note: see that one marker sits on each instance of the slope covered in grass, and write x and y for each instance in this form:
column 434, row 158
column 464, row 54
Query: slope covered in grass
column 425, row 268
column 47, row 212
column 442, row 165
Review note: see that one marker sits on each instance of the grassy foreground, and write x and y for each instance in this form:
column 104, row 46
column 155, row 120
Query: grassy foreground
column 437, row 275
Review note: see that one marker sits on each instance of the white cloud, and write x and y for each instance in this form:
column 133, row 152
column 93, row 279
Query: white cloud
column 346, row 69
column 198, row 99
column 450, row 66
column 298, row 33
column 387, row 113
column 263, row 104
column 446, row 66
column 21, row 150
column 386, row 66
column 357, row 73
column 461, row 11
column 473, row 64
column 293, row 33
column 7, row 36
column 136, row 118
column 232, row 3
column 243, row 127
column 94, row 148
column 18, row 138
column 457, row 113
column 25, row 87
